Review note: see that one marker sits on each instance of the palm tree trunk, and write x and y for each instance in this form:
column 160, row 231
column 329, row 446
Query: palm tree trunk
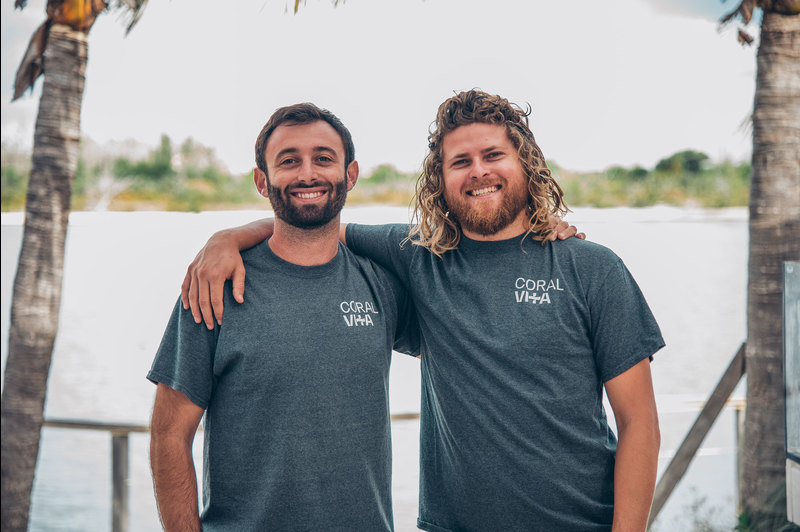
column 37, row 286
column 774, row 238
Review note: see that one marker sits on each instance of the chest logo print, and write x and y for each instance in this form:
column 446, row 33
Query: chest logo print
column 536, row 291
column 358, row 313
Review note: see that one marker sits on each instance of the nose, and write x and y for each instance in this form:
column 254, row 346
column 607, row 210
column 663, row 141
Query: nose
column 478, row 169
column 306, row 172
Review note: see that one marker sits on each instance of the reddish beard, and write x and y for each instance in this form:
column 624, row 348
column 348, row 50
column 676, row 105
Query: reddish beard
column 482, row 220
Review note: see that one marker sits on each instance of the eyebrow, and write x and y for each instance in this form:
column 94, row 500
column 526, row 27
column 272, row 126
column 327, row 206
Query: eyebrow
column 464, row 154
column 316, row 150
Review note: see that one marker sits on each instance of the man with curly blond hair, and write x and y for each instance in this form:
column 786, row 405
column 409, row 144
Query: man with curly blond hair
column 520, row 336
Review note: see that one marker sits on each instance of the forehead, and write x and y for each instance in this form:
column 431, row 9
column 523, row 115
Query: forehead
column 304, row 137
column 474, row 137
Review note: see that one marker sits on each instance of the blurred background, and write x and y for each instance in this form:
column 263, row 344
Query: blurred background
column 642, row 108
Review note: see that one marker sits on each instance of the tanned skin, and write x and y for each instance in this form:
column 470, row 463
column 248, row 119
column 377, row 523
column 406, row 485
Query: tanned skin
column 172, row 429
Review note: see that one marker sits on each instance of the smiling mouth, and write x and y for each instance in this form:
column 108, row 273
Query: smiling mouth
column 483, row 191
column 308, row 195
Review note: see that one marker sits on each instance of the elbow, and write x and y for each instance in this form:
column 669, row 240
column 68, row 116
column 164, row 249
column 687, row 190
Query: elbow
column 653, row 434
column 653, row 428
column 656, row 434
column 645, row 427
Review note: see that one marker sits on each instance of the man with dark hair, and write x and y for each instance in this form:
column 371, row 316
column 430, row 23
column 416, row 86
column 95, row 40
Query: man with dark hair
column 294, row 386
column 519, row 337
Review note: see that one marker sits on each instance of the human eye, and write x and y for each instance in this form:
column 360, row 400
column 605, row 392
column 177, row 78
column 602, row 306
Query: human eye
column 287, row 161
column 495, row 155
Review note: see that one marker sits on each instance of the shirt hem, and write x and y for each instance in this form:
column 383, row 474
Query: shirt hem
column 649, row 352
column 430, row 527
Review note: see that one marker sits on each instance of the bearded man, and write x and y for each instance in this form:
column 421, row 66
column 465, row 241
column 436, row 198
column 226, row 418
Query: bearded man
column 294, row 387
column 519, row 337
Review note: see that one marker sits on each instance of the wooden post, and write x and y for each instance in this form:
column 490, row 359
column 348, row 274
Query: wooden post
column 683, row 457
column 119, row 445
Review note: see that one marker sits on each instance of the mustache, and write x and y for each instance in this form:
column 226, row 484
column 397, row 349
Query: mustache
column 312, row 184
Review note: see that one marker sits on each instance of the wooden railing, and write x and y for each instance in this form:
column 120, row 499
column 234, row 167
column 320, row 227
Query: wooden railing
column 666, row 484
column 691, row 443
column 120, row 464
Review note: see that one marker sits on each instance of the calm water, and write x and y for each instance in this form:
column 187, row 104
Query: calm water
column 123, row 273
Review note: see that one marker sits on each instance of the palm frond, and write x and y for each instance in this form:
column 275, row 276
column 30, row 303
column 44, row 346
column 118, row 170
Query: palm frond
column 744, row 38
column 31, row 66
column 132, row 10
column 297, row 4
column 743, row 11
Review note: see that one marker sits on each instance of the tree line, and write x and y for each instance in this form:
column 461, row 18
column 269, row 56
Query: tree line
column 188, row 177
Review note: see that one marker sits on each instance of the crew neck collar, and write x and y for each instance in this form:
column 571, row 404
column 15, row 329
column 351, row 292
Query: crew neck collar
column 302, row 271
column 491, row 246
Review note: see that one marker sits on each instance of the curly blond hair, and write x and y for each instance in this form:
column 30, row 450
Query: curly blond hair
column 432, row 226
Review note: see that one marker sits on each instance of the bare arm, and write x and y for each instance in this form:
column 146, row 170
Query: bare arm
column 633, row 401
column 172, row 430
column 217, row 261
column 220, row 259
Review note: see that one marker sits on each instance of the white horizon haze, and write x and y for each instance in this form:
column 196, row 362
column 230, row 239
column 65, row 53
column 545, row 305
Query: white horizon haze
column 621, row 82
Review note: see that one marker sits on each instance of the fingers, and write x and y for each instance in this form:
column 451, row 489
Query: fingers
column 187, row 282
column 558, row 229
column 564, row 233
column 194, row 304
column 238, row 284
column 217, row 306
column 204, row 301
column 203, row 285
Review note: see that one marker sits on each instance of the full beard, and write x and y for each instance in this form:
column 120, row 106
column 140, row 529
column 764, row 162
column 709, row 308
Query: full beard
column 488, row 222
column 307, row 216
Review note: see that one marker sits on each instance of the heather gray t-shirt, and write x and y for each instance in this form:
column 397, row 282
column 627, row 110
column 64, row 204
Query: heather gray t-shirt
column 517, row 341
column 295, row 387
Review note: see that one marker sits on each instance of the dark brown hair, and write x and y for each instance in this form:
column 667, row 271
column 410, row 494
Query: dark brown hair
column 297, row 114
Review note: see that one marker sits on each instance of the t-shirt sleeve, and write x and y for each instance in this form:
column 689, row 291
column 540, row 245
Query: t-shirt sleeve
column 624, row 330
column 185, row 359
column 384, row 244
column 407, row 336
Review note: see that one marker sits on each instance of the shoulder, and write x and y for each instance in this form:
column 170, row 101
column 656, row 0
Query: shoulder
column 589, row 263
column 388, row 232
column 255, row 254
column 372, row 271
column 366, row 265
column 584, row 252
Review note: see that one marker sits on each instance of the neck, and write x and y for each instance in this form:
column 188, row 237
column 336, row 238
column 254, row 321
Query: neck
column 305, row 247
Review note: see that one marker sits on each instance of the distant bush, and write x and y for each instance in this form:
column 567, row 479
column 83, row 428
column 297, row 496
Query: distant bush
column 688, row 161
column 191, row 179
column 685, row 178
column 385, row 185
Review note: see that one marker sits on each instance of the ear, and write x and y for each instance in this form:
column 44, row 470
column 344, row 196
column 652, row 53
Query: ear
column 260, row 179
column 352, row 175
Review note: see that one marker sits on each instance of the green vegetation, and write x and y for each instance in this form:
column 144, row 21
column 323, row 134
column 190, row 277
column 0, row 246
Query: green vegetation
column 189, row 178
column 684, row 178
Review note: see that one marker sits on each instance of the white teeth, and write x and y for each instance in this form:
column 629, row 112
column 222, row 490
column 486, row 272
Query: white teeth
column 308, row 195
column 483, row 191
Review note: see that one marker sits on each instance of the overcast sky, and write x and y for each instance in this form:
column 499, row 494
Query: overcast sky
column 610, row 82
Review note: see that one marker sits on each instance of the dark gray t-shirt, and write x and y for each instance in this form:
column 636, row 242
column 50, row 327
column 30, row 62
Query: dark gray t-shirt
column 295, row 387
column 517, row 341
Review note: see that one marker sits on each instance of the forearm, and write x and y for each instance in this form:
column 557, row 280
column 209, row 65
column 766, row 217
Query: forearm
column 175, row 483
column 635, row 476
column 247, row 236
